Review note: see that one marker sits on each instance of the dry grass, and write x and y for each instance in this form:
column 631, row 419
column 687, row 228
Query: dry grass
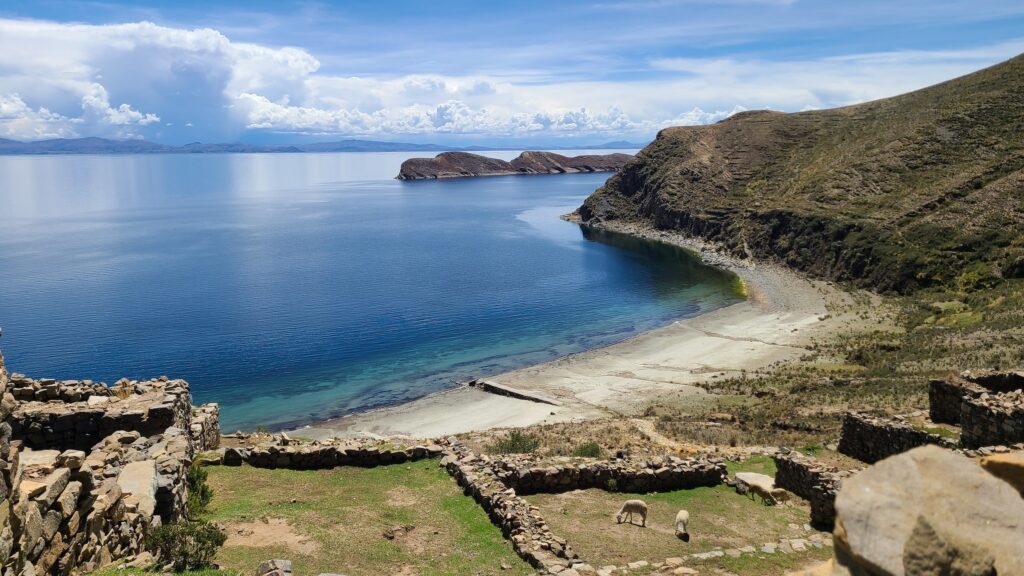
column 720, row 519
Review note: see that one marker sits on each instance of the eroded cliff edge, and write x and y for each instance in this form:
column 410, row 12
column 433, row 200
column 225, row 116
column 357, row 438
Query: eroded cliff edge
column 465, row 164
column 897, row 194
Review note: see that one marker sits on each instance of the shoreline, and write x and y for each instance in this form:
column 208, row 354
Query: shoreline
column 782, row 313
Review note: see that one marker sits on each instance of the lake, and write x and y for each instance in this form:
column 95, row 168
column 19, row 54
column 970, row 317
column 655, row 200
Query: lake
column 292, row 288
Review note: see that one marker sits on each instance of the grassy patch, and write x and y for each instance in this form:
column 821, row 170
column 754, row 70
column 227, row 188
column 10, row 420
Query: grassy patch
column 720, row 518
column 335, row 521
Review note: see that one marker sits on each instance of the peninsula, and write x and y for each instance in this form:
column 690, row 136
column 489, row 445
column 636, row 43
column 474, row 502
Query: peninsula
column 464, row 164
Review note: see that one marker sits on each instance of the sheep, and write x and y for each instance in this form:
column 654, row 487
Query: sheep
column 766, row 496
column 683, row 525
column 630, row 507
column 780, row 495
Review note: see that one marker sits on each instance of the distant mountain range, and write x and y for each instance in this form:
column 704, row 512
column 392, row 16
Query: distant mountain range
column 107, row 146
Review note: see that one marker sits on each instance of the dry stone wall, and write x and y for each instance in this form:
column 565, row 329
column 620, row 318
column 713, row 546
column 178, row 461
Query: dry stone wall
column 812, row 481
column 871, row 439
column 205, row 427
column 525, row 476
column 87, row 472
column 992, row 420
column 946, row 397
column 153, row 407
column 284, row 453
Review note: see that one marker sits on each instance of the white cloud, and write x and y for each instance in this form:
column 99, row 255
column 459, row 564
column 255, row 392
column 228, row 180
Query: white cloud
column 20, row 122
column 61, row 79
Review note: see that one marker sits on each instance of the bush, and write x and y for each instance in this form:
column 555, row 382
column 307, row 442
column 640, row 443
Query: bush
column 199, row 492
column 186, row 545
column 588, row 450
column 515, row 443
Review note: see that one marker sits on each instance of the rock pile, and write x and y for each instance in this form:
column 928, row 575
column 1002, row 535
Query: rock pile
column 870, row 439
column 45, row 389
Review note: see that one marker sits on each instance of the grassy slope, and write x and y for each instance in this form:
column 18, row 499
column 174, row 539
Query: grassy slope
column 917, row 190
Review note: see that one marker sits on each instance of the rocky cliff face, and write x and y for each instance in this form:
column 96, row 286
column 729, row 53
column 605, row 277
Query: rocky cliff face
column 896, row 194
column 463, row 164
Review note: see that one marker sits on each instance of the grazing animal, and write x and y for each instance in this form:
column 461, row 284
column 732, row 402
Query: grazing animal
column 780, row 495
column 630, row 507
column 683, row 525
column 766, row 496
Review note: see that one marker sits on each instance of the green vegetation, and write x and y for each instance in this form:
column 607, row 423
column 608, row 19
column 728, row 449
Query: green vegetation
column 186, row 545
column 199, row 492
column 589, row 449
column 920, row 190
column 338, row 521
column 516, row 442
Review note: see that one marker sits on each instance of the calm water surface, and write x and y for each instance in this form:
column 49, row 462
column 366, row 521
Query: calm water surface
column 297, row 287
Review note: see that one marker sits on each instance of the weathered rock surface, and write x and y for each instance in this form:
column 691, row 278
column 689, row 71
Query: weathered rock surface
column 928, row 511
column 1007, row 467
column 463, row 164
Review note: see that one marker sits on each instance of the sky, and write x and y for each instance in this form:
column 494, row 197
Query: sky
column 468, row 72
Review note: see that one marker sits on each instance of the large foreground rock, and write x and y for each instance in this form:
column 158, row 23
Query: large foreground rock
column 1007, row 467
column 929, row 512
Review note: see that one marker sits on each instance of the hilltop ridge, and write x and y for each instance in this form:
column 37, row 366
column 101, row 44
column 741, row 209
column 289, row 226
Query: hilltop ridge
column 921, row 189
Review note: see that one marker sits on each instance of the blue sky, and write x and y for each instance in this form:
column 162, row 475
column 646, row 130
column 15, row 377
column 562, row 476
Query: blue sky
column 468, row 72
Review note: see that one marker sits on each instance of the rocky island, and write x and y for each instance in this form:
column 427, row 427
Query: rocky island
column 465, row 164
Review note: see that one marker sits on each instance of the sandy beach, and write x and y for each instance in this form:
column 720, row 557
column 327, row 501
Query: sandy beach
column 781, row 315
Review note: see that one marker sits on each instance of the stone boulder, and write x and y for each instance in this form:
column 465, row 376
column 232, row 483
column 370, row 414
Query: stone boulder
column 755, row 479
column 928, row 511
column 1007, row 467
column 274, row 568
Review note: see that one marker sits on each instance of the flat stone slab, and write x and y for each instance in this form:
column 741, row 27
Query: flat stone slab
column 138, row 481
column 39, row 458
column 756, row 479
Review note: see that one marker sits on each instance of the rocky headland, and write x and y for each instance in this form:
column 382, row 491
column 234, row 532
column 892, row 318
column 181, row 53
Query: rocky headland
column 465, row 164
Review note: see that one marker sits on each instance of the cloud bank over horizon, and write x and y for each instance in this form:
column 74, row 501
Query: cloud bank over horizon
column 175, row 83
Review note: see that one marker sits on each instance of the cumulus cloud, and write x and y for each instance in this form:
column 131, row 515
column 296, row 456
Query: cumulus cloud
column 142, row 79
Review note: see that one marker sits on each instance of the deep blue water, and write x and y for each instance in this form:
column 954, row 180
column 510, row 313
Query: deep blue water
column 296, row 287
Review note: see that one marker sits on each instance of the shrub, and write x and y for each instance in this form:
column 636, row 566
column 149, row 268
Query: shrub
column 588, row 450
column 199, row 492
column 186, row 545
column 515, row 443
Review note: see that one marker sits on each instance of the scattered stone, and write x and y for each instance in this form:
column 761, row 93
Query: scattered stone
column 274, row 568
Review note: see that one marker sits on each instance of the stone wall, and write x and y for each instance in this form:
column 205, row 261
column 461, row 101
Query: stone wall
column 284, row 453
column 657, row 475
column 205, row 427
column 154, row 406
column 87, row 471
column 68, row 517
column 871, row 439
column 520, row 522
column 947, row 396
column 812, row 481
column 44, row 389
column 992, row 420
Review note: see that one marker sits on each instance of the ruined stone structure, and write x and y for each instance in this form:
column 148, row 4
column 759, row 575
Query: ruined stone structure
column 658, row 475
column 992, row 420
column 946, row 397
column 87, row 471
column 871, row 439
column 812, row 481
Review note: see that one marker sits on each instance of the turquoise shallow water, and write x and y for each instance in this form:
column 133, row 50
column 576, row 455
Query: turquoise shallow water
column 297, row 287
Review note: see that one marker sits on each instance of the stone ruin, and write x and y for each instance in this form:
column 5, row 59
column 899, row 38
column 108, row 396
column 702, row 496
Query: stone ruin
column 870, row 439
column 89, row 470
column 988, row 406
